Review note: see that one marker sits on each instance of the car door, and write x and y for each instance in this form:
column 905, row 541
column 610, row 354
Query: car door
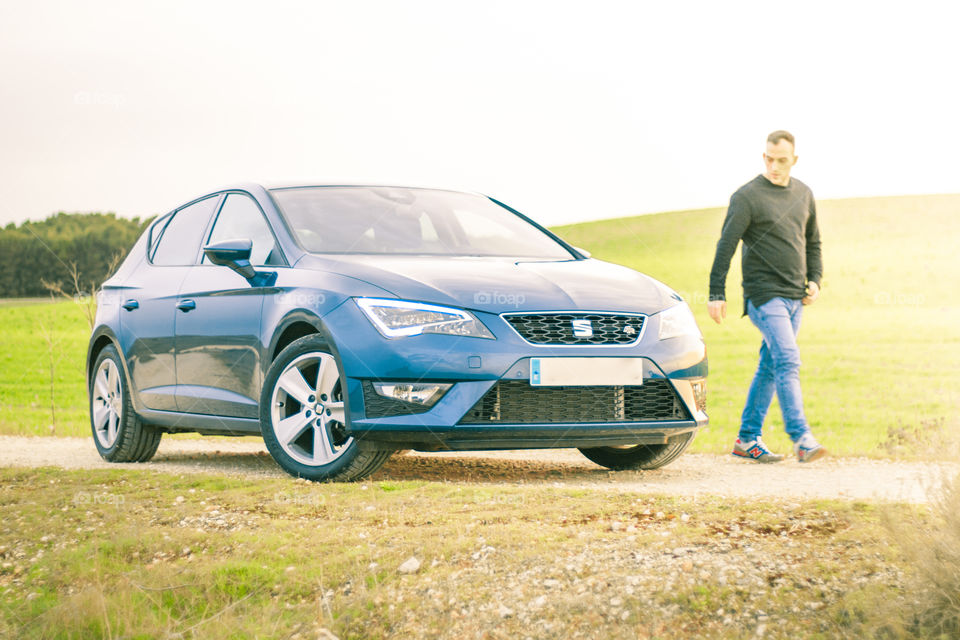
column 149, row 296
column 218, row 343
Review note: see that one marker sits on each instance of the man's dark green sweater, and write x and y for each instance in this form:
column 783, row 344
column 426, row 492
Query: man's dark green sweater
column 781, row 242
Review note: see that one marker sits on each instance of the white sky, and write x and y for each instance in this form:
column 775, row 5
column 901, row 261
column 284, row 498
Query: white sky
column 565, row 110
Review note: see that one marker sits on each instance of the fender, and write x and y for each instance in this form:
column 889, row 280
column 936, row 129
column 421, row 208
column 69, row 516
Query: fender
column 304, row 316
column 295, row 316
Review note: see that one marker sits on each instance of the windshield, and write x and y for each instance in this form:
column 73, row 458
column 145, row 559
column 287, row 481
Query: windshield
column 393, row 220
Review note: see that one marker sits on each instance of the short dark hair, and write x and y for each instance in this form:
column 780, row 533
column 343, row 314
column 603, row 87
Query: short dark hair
column 779, row 135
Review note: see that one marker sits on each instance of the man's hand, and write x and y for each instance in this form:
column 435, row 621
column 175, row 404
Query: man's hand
column 813, row 292
column 717, row 310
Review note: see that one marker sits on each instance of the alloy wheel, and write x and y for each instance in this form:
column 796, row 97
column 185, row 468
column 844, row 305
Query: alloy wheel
column 307, row 410
column 107, row 404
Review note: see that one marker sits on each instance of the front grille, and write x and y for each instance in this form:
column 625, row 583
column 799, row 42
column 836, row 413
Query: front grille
column 557, row 328
column 378, row 406
column 516, row 401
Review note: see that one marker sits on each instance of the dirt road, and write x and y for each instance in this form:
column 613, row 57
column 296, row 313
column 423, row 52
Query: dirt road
column 691, row 474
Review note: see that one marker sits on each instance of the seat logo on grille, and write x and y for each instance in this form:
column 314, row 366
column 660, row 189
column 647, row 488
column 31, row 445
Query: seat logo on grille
column 582, row 328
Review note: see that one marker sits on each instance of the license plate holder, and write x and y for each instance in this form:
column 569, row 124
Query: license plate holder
column 577, row 371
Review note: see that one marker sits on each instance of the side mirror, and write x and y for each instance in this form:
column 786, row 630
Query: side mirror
column 232, row 253
column 583, row 252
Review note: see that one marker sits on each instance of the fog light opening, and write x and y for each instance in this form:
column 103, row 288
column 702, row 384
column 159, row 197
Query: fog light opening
column 421, row 393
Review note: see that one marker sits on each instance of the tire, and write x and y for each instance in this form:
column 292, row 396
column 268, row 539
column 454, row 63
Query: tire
column 303, row 416
column 640, row 456
column 118, row 432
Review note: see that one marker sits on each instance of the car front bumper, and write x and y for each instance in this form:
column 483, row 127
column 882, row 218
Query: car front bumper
column 491, row 404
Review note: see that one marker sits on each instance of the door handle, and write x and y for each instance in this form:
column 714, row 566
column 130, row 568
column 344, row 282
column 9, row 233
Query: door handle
column 186, row 305
column 130, row 305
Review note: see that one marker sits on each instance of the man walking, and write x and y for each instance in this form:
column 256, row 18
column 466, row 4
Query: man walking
column 776, row 218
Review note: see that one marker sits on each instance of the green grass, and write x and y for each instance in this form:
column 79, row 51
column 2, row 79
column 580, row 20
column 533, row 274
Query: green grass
column 26, row 358
column 132, row 553
column 880, row 349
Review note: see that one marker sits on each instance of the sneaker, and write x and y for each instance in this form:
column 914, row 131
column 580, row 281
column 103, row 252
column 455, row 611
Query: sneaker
column 808, row 449
column 755, row 450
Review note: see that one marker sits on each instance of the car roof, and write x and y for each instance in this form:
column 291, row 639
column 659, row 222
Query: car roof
column 254, row 186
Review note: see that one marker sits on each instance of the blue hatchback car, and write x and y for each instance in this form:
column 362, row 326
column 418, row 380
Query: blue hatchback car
column 345, row 322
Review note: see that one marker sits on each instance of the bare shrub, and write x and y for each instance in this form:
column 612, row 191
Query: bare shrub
column 85, row 299
column 931, row 543
column 52, row 344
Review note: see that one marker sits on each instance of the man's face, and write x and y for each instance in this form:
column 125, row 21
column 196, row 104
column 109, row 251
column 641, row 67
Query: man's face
column 779, row 159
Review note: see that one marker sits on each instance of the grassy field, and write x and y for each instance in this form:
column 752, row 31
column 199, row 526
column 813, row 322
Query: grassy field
column 131, row 554
column 35, row 338
column 880, row 348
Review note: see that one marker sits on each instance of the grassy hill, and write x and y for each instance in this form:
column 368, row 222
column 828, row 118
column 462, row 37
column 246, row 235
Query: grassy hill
column 881, row 349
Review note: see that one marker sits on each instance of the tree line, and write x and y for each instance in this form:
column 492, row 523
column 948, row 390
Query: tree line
column 64, row 251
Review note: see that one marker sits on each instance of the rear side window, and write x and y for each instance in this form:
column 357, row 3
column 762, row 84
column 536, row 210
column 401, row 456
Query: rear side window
column 240, row 218
column 176, row 240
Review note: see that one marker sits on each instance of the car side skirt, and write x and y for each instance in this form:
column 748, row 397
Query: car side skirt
column 175, row 422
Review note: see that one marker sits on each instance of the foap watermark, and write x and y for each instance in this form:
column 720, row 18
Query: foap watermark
column 315, row 500
column 301, row 299
column 88, row 498
column 499, row 298
column 108, row 298
column 695, row 299
column 903, row 299
column 98, row 99
column 500, row 498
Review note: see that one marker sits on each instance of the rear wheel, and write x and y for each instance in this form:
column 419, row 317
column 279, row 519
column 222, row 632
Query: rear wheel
column 118, row 432
column 639, row 456
column 303, row 416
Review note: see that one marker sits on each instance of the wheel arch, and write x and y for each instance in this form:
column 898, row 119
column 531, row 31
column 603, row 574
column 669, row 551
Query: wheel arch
column 294, row 326
column 101, row 338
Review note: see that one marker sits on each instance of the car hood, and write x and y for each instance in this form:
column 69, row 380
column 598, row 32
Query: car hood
column 499, row 284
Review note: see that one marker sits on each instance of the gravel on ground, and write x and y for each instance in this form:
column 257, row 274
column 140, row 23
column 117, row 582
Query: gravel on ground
column 692, row 474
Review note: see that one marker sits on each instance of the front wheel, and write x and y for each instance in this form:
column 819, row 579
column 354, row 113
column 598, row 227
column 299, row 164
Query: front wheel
column 303, row 416
column 639, row 456
column 118, row 432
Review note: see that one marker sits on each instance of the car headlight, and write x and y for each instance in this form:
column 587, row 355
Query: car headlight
column 678, row 321
column 399, row 318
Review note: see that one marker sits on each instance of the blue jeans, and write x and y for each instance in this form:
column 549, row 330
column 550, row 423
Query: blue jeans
column 779, row 369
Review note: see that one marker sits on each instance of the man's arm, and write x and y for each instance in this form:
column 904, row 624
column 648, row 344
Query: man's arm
column 734, row 226
column 814, row 257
